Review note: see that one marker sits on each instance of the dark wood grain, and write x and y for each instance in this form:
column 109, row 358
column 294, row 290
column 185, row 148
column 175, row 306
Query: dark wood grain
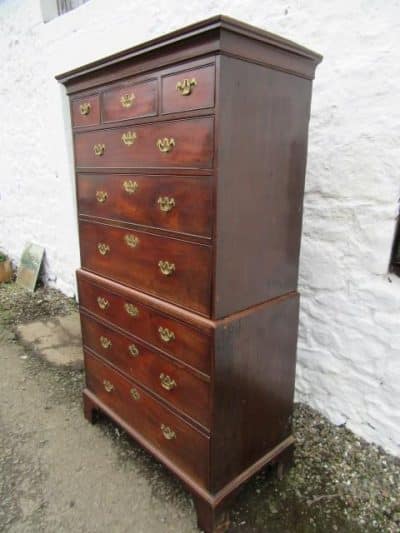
column 193, row 145
column 92, row 117
column 254, row 370
column 261, row 168
column 190, row 345
column 236, row 174
column 191, row 394
column 189, row 285
column 189, row 449
column 144, row 103
column 201, row 96
column 192, row 196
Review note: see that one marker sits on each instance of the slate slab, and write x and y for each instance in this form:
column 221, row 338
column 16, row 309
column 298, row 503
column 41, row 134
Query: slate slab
column 58, row 339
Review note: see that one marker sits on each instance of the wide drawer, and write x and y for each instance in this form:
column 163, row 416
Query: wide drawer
column 179, row 143
column 188, row 89
column 130, row 101
column 187, row 448
column 85, row 111
column 168, row 268
column 178, row 386
column 168, row 334
column 181, row 204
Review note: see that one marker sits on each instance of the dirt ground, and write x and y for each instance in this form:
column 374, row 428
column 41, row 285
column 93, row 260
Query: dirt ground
column 60, row 474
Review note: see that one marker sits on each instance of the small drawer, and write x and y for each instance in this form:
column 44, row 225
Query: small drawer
column 85, row 111
column 178, row 441
column 188, row 89
column 162, row 331
column 130, row 101
column 184, row 143
column 181, row 204
column 171, row 269
column 178, row 386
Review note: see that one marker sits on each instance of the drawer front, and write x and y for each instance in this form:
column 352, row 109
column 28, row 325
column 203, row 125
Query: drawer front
column 173, row 382
column 177, row 440
column 188, row 89
column 180, row 143
column 130, row 101
column 85, row 111
column 177, row 204
column 168, row 268
column 171, row 336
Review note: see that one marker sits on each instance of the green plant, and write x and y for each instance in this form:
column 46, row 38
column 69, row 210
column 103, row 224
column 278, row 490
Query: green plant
column 3, row 257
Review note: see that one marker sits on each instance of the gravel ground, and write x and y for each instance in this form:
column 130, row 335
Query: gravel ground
column 338, row 482
column 18, row 306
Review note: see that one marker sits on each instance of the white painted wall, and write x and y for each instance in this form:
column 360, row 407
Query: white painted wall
column 349, row 364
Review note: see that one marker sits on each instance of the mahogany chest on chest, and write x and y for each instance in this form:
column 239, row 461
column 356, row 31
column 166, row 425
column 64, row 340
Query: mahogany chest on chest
column 190, row 154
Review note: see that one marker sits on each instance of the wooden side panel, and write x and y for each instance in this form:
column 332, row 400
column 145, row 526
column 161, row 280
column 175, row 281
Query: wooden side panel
column 261, row 164
column 255, row 360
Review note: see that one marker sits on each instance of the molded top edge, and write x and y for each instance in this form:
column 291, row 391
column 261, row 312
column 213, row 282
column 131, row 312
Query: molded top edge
column 198, row 28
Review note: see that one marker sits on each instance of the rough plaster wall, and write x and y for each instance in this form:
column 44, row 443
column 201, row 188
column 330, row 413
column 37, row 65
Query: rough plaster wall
column 349, row 364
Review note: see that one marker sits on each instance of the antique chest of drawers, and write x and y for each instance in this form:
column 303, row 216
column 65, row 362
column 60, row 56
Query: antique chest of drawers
column 190, row 154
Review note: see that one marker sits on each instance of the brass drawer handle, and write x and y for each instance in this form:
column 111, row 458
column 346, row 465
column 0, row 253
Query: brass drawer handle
column 108, row 385
column 131, row 240
column 103, row 303
column 103, row 248
column 106, row 343
column 85, row 108
column 130, row 186
column 127, row 100
column 166, row 334
column 165, row 203
column 184, row 87
column 168, row 433
column 165, row 145
column 133, row 350
column 166, row 268
column 135, row 394
column 101, row 196
column 167, row 382
column 99, row 149
column 131, row 309
column 129, row 138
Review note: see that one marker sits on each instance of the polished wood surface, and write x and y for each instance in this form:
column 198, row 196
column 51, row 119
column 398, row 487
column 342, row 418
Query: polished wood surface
column 253, row 380
column 191, row 211
column 187, row 392
column 189, row 344
column 189, row 448
column 201, row 92
column 91, row 116
column 193, row 146
column 261, row 169
column 188, row 285
column 141, row 100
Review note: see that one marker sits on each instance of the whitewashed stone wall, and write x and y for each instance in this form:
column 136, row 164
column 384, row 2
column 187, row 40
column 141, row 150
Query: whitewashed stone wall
column 349, row 363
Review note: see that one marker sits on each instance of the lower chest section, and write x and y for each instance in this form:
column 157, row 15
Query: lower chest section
column 159, row 427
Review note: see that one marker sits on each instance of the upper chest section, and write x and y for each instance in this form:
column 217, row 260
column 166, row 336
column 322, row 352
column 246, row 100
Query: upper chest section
column 161, row 93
